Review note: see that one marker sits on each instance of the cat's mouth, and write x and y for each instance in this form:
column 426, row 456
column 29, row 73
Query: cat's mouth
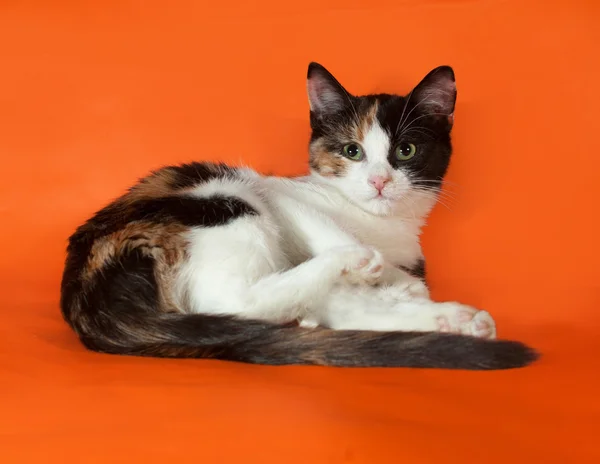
column 381, row 196
column 377, row 196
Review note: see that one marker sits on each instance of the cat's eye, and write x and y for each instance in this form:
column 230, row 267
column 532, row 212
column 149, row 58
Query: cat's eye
column 353, row 151
column 405, row 151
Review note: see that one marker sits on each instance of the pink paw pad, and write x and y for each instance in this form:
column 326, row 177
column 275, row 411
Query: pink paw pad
column 465, row 316
column 483, row 329
column 443, row 324
column 377, row 268
column 362, row 263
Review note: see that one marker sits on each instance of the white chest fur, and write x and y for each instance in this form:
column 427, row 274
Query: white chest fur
column 395, row 236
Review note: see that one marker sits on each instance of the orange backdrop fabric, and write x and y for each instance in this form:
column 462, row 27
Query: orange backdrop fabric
column 95, row 94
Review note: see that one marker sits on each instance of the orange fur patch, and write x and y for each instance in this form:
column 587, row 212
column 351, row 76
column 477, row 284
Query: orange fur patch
column 326, row 163
column 164, row 242
column 365, row 122
column 158, row 185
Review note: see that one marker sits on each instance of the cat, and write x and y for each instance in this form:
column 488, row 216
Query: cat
column 206, row 260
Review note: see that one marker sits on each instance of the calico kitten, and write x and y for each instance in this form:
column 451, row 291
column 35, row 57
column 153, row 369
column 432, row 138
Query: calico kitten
column 210, row 261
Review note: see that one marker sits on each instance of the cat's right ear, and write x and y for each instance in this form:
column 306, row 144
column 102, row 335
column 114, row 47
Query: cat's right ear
column 325, row 94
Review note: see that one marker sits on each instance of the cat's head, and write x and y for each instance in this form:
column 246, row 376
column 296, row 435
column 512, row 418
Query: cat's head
column 383, row 152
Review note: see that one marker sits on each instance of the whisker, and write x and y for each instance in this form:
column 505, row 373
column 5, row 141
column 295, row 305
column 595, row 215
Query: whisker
column 420, row 117
column 431, row 134
column 445, row 202
column 437, row 188
column 447, row 187
column 423, row 128
column 357, row 119
column 409, row 113
column 432, row 188
column 449, row 200
column 404, row 109
column 433, row 180
column 441, row 202
column 441, row 196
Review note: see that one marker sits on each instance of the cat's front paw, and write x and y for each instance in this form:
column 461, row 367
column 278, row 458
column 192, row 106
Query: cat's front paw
column 361, row 265
column 457, row 318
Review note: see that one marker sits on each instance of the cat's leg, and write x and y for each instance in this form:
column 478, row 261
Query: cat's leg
column 318, row 233
column 381, row 310
column 289, row 294
column 241, row 269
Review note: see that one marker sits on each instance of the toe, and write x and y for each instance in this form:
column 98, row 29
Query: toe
column 362, row 263
column 483, row 325
column 443, row 324
column 465, row 316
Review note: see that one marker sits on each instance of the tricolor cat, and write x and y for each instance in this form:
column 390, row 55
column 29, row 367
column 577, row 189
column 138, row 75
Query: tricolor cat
column 211, row 261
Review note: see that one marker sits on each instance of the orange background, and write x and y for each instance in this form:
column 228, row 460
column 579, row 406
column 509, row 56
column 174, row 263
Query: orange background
column 95, row 94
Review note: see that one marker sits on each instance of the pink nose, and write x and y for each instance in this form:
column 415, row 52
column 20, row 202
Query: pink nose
column 379, row 182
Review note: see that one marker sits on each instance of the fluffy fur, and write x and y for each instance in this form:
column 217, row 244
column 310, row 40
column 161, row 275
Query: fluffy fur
column 205, row 260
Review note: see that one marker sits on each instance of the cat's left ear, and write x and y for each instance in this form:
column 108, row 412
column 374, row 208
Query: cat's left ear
column 325, row 94
column 436, row 93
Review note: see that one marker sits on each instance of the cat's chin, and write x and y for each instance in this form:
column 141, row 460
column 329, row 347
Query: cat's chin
column 379, row 206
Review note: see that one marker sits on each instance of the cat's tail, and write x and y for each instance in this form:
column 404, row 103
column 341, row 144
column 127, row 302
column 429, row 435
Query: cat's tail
column 228, row 338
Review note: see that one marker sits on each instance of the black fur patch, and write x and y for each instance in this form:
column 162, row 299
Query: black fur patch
column 429, row 133
column 419, row 270
column 191, row 174
column 126, row 289
column 213, row 211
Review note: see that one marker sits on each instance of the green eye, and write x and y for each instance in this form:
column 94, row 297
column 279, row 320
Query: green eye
column 405, row 151
column 353, row 151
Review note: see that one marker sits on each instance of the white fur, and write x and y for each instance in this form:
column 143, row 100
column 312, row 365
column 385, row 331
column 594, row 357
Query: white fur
column 316, row 251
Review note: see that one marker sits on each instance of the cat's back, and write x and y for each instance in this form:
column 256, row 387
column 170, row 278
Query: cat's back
column 151, row 196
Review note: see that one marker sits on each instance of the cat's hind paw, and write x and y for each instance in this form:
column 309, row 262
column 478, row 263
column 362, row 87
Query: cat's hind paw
column 457, row 318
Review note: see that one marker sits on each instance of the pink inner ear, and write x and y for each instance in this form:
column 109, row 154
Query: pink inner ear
column 448, row 84
column 315, row 88
column 322, row 96
column 441, row 94
column 451, row 118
